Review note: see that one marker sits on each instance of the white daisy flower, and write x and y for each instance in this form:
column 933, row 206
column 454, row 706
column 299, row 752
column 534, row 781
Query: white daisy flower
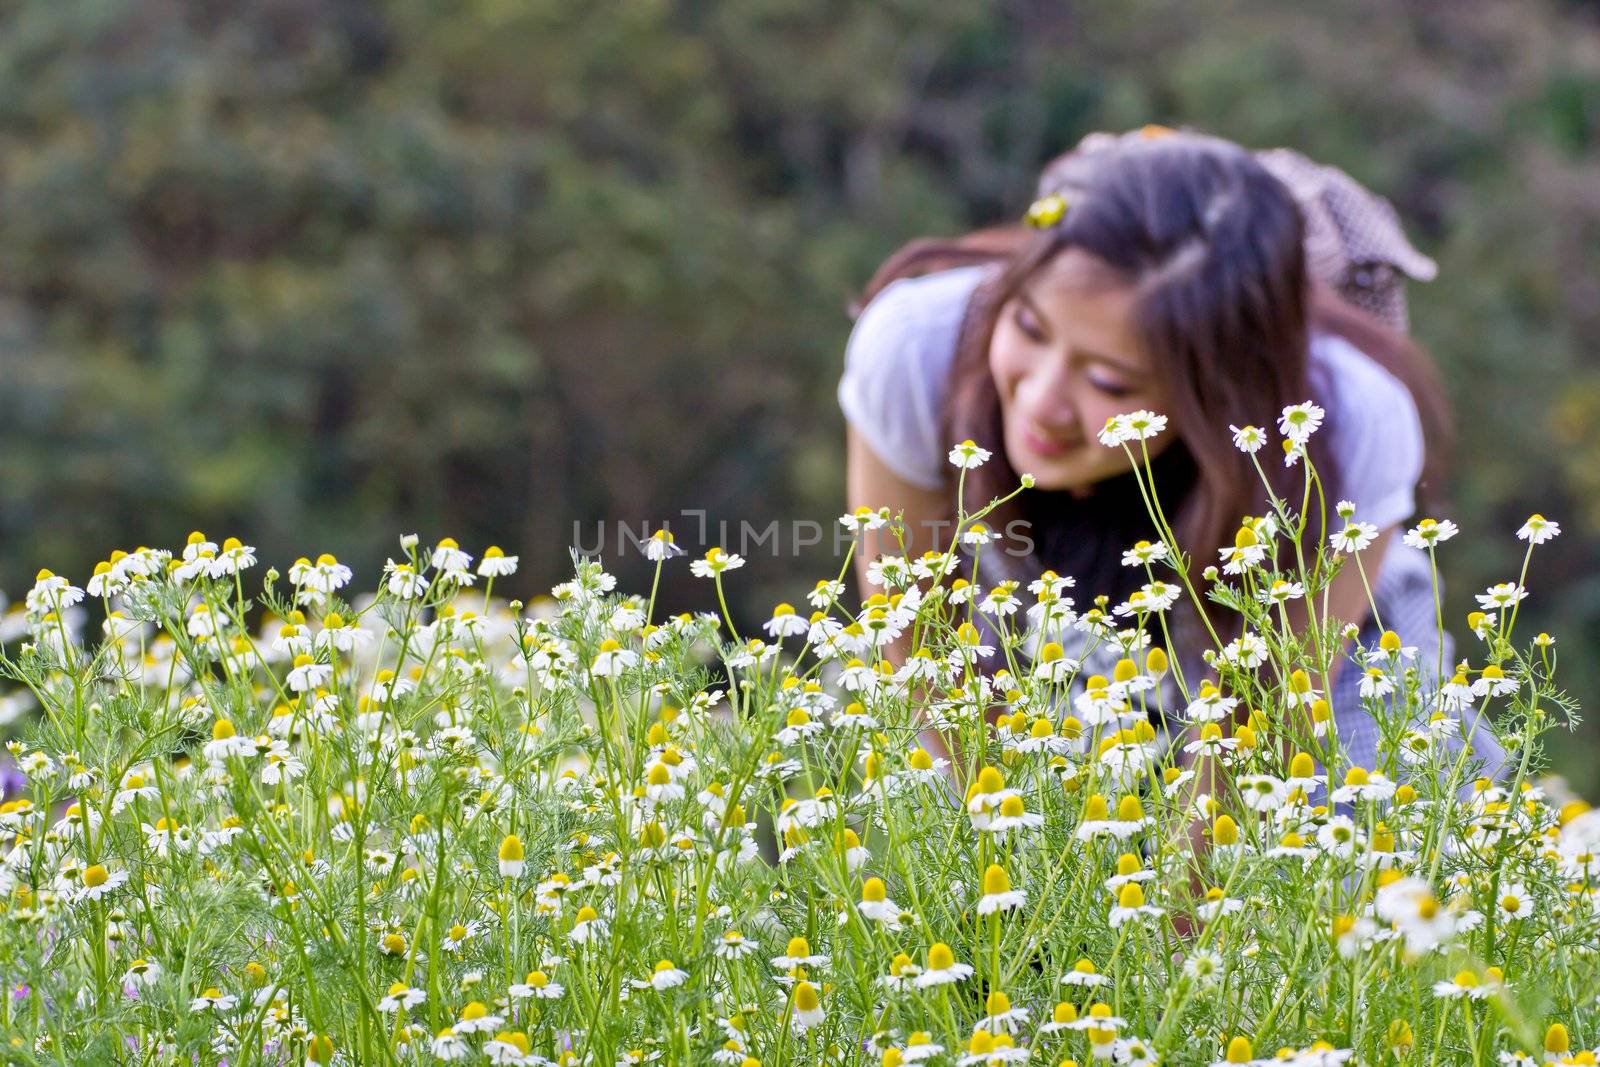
column 1248, row 438
column 1430, row 532
column 1299, row 421
column 1538, row 529
column 967, row 455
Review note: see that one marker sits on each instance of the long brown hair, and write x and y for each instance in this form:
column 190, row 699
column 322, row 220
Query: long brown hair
column 1213, row 245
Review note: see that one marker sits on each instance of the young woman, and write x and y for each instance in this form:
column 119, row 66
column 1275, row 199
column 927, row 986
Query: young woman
column 1176, row 280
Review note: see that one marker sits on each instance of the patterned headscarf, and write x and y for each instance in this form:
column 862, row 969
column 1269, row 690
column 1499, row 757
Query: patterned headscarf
column 1353, row 238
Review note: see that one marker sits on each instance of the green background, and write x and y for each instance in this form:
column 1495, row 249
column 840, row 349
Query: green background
column 320, row 272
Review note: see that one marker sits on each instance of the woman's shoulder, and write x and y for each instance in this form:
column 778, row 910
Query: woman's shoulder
column 897, row 366
column 931, row 303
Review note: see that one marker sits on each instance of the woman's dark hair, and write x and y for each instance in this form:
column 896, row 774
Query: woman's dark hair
column 1212, row 245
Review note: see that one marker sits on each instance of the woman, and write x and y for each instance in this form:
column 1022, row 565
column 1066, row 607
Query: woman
column 1175, row 281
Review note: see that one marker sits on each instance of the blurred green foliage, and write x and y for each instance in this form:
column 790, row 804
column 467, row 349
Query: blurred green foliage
column 319, row 272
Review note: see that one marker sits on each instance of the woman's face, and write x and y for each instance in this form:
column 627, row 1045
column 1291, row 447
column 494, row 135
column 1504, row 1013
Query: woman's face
column 1065, row 360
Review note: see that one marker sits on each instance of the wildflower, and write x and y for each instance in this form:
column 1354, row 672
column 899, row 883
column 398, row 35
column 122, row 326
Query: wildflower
column 666, row 975
column 1355, row 537
column 535, row 984
column 942, row 967
column 496, row 564
column 1012, row 813
column 997, row 892
column 307, row 674
column 51, row 592
column 459, row 934
column 475, row 1019
column 1248, row 438
column 447, row 1045
column 509, row 1047
column 785, row 623
column 1339, row 837
column 1238, row 1051
column 587, row 925
column 806, row 1006
column 403, row 580
column 1430, row 532
column 1246, row 651
column 98, row 881
column 401, row 997
column 512, row 860
column 967, row 455
column 1465, row 984
column 661, row 546
column 734, row 945
column 1501, row 595
column 1114, row 432
column 715, row 562
column 1203, row 965
column 142, row 972
column 1144, row 552
column 1492, row 682
column 875, row 903
column 1411, row 906
column 865, row 518
column 1299, row 421
column 1361, row 784
column 1281, row 592
column 1131, row 905
column 1514, row 902
column 213, row 999
column 1538, row 529
column 326, row 575
column 612, row 659
column 797, row 953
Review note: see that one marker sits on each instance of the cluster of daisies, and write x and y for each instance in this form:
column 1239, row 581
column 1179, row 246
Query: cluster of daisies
column 940, row 826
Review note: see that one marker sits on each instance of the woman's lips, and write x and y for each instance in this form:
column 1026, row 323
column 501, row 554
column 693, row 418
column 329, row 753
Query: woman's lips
column 1042, row 446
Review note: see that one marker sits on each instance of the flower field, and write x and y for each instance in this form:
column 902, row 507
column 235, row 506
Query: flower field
column 267, row 820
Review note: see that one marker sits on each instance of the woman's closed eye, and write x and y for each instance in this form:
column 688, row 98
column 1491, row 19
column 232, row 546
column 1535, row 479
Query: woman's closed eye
column 1027, row 324
column 1112, row 389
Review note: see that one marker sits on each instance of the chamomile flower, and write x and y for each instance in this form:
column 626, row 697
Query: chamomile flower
column 968, row 456
column 942, row 967
column 214, row 999
column 401, row 997
column 1538, row 529
column 797, row 953
column 1355, row 537
column 1430, row 532
column 660, row 546
column 666, row 975
column 476, row 1019
column 496, row 564
column 805, row 1007
column 876, row 905
column 997, row 892
column 1501, row 595
column 1248, row 439
column 1299, row 421
column 1464, row 984
column 715, row 562
column 1142, row 425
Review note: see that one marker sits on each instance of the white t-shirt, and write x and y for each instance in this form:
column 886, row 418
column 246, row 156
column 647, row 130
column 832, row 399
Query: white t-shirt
column 897, row 372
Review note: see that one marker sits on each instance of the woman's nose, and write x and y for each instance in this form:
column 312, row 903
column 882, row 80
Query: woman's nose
column 1050, row 407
